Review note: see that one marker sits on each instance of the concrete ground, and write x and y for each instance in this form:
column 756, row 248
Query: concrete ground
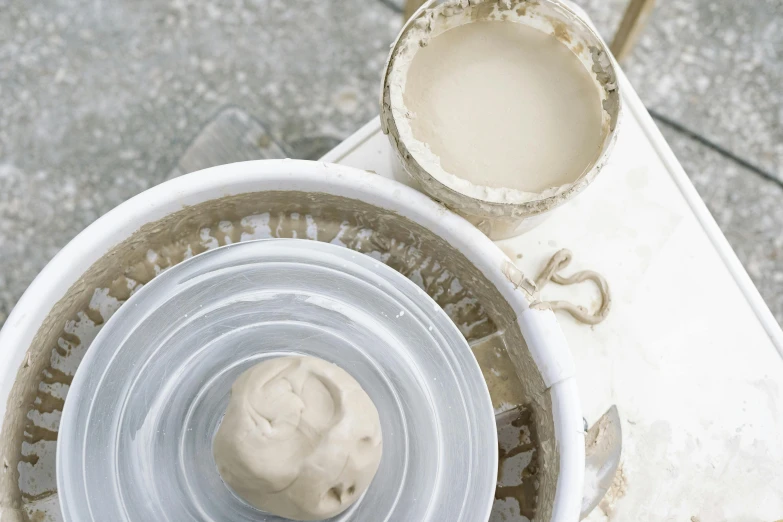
column 98, row 100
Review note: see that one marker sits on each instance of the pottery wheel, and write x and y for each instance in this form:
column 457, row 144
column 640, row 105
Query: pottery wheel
column 136, row 434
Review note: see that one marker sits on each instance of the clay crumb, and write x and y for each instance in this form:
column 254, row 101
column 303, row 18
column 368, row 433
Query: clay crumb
column 561, row 31
column 615, row 493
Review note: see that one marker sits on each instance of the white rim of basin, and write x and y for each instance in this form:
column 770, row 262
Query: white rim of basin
column 539, row 327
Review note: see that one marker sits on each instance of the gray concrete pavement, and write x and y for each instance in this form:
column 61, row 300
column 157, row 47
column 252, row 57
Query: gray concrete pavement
column 98, row 100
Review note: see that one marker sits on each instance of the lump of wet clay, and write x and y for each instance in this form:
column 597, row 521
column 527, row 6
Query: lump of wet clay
column 300, row 438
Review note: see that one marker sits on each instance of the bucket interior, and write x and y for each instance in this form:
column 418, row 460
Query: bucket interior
column 529, row 457
column 495, row 213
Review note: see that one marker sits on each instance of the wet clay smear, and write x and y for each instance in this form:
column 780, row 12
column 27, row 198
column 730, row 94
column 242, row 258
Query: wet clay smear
column 518, row 467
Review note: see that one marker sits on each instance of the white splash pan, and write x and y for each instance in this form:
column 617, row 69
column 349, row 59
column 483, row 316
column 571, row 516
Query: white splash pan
column 545, row 342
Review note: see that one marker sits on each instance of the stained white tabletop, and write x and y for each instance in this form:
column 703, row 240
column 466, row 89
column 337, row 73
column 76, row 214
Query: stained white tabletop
column 690, row 354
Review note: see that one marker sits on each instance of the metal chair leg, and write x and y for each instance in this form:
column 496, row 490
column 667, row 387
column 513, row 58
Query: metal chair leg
column 410, row 8
column 631, row 27
column 627, row 34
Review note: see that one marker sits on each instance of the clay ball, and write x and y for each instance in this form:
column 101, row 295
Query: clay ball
column 300, row 438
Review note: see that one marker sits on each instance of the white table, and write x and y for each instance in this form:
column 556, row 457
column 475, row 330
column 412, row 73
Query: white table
column 690, row 353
